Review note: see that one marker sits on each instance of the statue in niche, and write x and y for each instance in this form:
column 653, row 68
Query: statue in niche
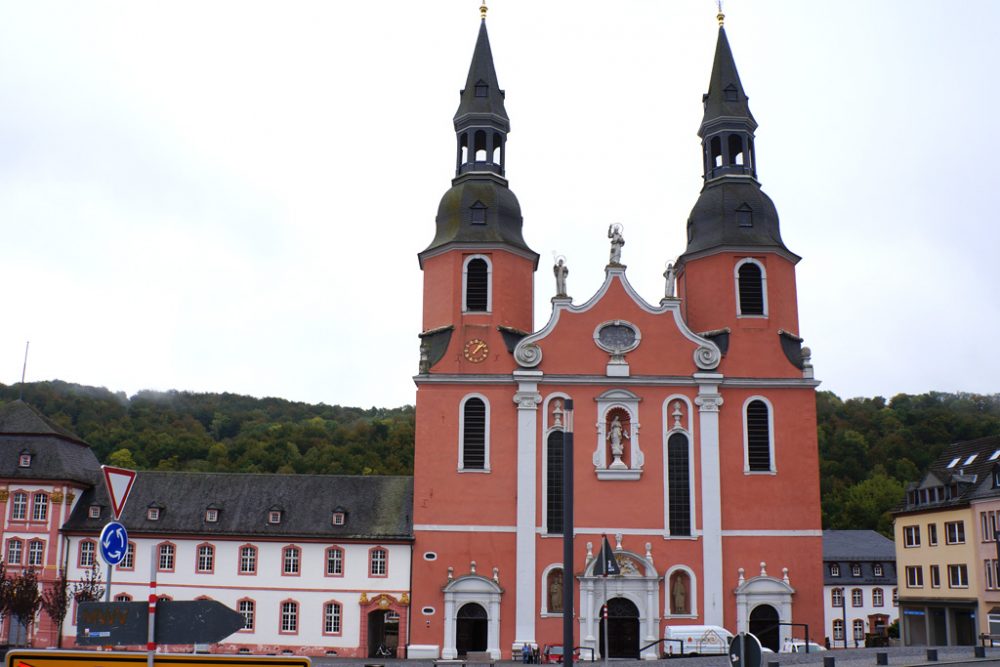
column 617, row 434
column 560, row 271
column 617, row 241
column 679, row 594
column 555, row 591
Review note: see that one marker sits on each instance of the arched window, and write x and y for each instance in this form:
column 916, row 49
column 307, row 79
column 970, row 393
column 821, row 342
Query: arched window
column 334, row 562
column 679, row 484
column 19, row 506
column 838, row 630
column 716, row 152
column 477, row 285
column 757, row 430
column 14, row 549
column 878, row 597
column 473, row 452
column 332, row 617
column 750, row 289
column 554, row 484
column 480, row 138
column 291, row 557
column 88, row 554
column 40, row 507
column 123, row 597
column 205, row 561
column 735, row 150
column 289, row 617
column 554, row 590
column 247, row 608
column 378, row 562
column 857, row 597
column 859, row 630
column 837, row 597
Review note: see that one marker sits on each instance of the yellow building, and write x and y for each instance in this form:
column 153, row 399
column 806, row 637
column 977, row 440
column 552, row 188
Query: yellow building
column 948, row 584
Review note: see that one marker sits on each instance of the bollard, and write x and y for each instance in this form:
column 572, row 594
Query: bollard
column 773, row 663
column 829, row 662
column 881, row 658
column 980, row 651
column 932, row 655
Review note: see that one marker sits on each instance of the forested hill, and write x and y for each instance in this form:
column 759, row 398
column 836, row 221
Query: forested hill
column 869, row 447
column 180, row 430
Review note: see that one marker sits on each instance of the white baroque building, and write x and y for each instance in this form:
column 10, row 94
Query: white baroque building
column 859, row 583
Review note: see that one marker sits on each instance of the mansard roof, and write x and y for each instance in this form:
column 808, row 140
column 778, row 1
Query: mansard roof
column 56, row 453
column 376, row 507
column 857, row 545
column 965, row 469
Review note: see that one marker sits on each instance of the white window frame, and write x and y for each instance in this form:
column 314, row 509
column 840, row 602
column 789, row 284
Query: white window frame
column 878, row 597
column 914, row 576
column 19, row 506
column 837, row 597
column 958, row 527
column 378, row 562
column 877, row 570
column 334, row 557
column 835, row 570
column 911, row 536
column 461, row 434
column 489, row 284
column 289, row 617
column 857, row 597
column 763, row 288
column 932, row 538
column 856, row 570
column 770, row 437
column 958, row 576
column 88, row 553
column 858, row 629
column 333, row 618
column 248, row 609
column 40, row 507
column 36, row 553
column 935, row 573
column 838, row 630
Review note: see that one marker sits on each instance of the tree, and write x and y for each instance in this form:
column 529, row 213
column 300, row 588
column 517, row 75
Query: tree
column 55, row 602
column 90, row 588
column 23, row 599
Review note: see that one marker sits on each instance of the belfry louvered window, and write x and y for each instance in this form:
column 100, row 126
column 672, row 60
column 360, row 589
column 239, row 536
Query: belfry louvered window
column 751, row 286
column 474, row 435
column 758, row 437
column 679, row 484
column 554, row 484
column 477, row 285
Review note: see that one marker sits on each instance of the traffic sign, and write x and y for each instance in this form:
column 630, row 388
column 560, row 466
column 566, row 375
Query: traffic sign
column 113, row 543
column 177, row 622
column 119, row 482
column 744, row 651
column 51, row 658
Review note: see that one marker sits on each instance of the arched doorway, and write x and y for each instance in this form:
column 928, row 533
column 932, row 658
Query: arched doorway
column 471, row 629
column 623, row 629
column 383, row 633
column 764, row 625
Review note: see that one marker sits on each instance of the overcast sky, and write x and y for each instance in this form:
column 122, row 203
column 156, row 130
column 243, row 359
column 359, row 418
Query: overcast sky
column 230, row 196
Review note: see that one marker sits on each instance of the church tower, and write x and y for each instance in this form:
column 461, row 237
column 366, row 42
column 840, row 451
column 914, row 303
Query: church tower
column 736, row 276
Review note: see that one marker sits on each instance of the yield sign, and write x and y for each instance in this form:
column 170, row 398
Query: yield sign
column 119, row 481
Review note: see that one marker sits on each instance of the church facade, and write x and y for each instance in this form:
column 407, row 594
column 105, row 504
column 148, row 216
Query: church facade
column 693, row 417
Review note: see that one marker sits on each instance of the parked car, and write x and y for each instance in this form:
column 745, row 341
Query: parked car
column 698, row 639
column 554, row 653
column 799, row 646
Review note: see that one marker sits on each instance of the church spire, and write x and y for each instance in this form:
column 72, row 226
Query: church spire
column 481, row 121
column 732, row 211
column 480, row 210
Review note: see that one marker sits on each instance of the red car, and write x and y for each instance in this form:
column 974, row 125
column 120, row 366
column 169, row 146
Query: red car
column 554, row 653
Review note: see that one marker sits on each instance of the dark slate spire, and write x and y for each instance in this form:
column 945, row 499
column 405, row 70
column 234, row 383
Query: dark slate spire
column 732, row 211
column 480, row 210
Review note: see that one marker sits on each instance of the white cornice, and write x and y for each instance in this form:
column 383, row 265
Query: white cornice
column 603, row 380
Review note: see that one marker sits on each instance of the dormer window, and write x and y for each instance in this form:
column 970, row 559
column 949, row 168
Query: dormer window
column 478, row 213
column 24, row 460
column 996, row 476
column 730, row 93
column 94, row 512
column 855, row 570
column 339, row 517
column 834, row 570
column 153, row 513
column 744, row 215
column 211, row 515
column 877, row 569
column 274, row 516
column 482, row 89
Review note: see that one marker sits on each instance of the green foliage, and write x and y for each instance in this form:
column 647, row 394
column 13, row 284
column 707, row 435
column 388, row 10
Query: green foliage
column 226, row 432
column 870, row 448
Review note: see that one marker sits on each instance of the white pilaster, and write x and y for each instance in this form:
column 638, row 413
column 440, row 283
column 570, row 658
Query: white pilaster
column 708, row 401
column 527, row 399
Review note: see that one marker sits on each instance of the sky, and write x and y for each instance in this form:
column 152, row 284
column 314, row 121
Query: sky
column 230, row 195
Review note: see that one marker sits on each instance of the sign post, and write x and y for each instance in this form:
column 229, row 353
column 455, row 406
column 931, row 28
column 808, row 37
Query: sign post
column 114, row 537
column 606, row 564
column 569, row 585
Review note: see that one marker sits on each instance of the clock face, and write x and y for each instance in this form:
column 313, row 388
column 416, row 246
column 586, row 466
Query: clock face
column 476, row 350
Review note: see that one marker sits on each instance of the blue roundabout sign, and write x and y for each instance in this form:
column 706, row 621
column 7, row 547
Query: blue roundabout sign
column 114, row 543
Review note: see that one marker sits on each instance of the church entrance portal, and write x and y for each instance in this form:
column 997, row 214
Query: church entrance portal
column 623, row 629
column 764, row 625
column 383, row 633
column 471, row 629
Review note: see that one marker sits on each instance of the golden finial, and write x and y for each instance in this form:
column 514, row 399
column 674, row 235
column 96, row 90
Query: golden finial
column 720, row 15
column 483, row 9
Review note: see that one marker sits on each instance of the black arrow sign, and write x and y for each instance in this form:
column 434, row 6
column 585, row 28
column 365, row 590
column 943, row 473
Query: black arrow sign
column 177, row 622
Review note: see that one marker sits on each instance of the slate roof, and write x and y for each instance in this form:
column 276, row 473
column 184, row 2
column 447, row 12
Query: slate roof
column 866, row 548
column 56, row 454
column 481, row 69
column 377, row 507
column 968, row 466
column 724, row 75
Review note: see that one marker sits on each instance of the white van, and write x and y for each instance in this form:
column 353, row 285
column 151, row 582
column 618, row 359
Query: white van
column 698, row 639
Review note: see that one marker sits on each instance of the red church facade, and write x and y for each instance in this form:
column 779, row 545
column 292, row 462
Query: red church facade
column 694, row 419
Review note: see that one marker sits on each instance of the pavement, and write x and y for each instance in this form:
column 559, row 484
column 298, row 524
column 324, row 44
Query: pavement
column 910, row 656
